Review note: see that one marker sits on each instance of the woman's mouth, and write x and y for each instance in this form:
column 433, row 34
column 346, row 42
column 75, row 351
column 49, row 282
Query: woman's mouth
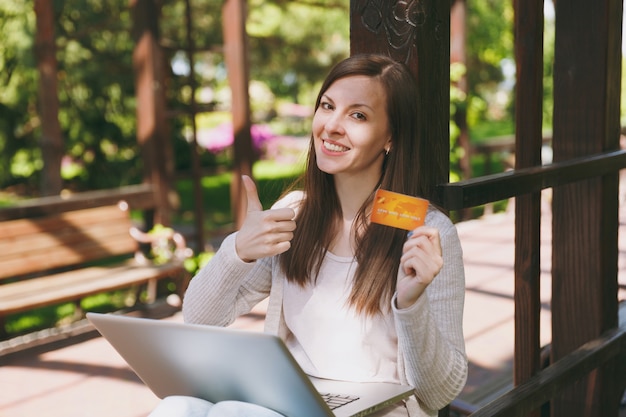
column 333, row 147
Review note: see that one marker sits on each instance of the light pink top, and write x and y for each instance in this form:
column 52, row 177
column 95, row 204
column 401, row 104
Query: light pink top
column 328, row 338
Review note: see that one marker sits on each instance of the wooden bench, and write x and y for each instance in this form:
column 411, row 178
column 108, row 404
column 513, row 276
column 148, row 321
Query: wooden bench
column 55, row 250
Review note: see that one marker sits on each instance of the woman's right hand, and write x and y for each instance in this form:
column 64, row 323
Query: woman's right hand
column 264, row 233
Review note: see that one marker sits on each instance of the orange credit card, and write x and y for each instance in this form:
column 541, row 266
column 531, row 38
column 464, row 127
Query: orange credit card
column 398, row 210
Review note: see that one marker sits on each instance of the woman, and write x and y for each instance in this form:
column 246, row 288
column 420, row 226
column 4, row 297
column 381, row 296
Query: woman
column 353, row 300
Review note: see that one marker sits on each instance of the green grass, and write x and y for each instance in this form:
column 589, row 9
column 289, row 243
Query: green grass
column 55, row 315
column 491, row 129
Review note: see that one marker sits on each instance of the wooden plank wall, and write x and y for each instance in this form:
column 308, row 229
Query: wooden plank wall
column 587, row 70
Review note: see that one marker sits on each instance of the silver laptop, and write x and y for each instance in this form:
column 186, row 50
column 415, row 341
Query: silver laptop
column 219, row 364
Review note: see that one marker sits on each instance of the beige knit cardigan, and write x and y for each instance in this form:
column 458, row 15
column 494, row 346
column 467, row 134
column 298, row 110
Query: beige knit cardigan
column 431, row 347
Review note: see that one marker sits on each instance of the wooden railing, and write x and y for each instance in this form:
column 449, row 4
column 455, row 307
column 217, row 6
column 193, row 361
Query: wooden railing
column 610, row 347
column 532, row 394
column 489, row 188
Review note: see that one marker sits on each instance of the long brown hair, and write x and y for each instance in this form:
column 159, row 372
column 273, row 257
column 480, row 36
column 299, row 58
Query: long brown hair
column 378, row 248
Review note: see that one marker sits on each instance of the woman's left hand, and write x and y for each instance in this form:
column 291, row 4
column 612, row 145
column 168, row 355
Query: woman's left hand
column 421, row 261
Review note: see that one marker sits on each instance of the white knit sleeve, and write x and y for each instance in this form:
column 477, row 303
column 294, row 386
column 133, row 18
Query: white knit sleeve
column 226, row 287
column 430, row 333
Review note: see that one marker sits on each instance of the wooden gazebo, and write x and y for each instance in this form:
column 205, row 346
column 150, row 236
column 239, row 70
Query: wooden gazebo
column 587, row 371
column 588, row 361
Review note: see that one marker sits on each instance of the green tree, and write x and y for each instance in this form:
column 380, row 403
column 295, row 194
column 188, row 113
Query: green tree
column 489, row 43
column 294, row 43
column 292, row 46
column 96, row 89
column 19, row 153
column 96, row 94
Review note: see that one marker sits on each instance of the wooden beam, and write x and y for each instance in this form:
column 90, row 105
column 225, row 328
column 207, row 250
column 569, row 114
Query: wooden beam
column 236, row 54
column 152, row 131
column 196, row 168
column 458, row 54
column 52, row 145
column 489, row 188
column 584, row 248
column 529, row 23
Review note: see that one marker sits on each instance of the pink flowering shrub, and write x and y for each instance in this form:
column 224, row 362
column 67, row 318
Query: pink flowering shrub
column 218, row 139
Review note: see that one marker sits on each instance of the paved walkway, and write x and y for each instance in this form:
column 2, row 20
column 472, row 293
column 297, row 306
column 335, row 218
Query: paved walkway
column 83, row 376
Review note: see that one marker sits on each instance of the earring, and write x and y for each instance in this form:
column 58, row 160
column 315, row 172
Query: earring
column 386, row 152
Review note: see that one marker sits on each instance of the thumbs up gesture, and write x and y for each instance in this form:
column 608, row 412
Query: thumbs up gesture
column 264, row 233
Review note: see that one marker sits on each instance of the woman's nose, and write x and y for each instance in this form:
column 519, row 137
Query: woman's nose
column 334, row 124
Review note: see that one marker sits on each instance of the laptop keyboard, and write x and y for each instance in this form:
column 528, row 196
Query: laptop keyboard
column 337, row 400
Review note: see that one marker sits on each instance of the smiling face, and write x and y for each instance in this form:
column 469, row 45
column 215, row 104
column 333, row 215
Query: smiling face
column 351, row 128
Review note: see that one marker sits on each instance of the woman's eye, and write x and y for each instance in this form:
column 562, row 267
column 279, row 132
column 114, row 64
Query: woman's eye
column 326, row 106
column 359, row 116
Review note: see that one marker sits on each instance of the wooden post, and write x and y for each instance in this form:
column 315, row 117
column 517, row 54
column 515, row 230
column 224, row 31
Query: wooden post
column 196, row 168
column 458, row 54
column 152, row 132
column 422, row 41
column 236, row 54
column 52, row 146
column 587, row 73
column 529, row 22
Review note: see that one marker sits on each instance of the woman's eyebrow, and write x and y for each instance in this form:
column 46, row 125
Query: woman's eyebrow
column 351, row 106
column 361, row 106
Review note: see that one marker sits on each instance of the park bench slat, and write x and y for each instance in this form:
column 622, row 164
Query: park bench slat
column 38, row 244
column 109, row 240
column 73, row 285
column 74, row 238
column 60, row 256
column 53, row 222
column 64, row 253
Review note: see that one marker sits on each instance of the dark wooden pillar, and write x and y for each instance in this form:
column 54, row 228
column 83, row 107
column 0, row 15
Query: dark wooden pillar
column 52, row 147
column 236, row 54
column 196, row 168
column 152, row 127
column 529, row 22
column 587, row 73
column 458, row 55
column 421, row 40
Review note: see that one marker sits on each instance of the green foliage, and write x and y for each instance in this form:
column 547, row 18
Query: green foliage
column 485, row 130
column 18, row 89
column 548, row 73
column 489, row 41
column 95, row 90
column 51, row 316
column 272, row 179
column 292, row 45
column 97, row 104
column 295, row 43
column 195, row 263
